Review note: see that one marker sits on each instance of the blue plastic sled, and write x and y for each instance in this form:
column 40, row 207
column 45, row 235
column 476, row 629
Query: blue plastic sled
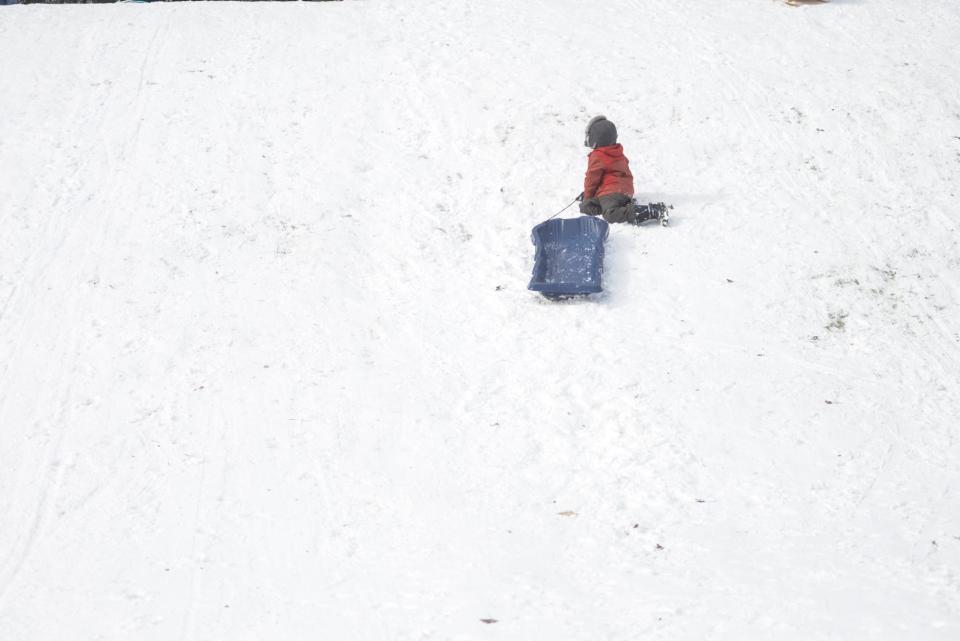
column 569, row 256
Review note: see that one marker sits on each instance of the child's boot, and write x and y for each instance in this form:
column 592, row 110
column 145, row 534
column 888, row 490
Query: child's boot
column 652, row 211
column 663, row 212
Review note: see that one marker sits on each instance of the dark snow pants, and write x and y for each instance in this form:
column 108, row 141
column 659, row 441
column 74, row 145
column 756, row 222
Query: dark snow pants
column 615, row 208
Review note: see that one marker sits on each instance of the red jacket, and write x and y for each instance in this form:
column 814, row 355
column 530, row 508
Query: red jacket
column 608, row 172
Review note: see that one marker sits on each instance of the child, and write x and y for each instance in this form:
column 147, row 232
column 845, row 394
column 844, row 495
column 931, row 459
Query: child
column 608, row 185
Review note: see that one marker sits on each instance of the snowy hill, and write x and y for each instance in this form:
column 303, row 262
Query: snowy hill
column 269, row 368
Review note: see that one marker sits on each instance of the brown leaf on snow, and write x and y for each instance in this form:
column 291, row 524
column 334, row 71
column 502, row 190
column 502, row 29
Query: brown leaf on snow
column 488, row 621
column 567, row 513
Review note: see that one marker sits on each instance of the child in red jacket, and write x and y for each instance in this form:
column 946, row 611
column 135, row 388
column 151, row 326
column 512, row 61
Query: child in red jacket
column 608, row 185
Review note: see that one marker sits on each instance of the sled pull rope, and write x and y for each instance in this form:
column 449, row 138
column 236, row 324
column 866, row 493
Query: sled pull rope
column 564, row 209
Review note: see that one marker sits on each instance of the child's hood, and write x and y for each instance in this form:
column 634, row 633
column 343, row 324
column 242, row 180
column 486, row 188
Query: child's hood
column 611, row 151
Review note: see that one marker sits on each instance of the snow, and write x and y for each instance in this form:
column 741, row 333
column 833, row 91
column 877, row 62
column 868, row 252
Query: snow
column 269, row 368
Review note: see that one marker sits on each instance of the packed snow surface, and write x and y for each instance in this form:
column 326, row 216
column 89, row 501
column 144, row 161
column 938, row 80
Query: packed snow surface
column 269, row 368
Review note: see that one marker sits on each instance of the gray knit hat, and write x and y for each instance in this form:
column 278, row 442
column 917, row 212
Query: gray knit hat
column 600, row 132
